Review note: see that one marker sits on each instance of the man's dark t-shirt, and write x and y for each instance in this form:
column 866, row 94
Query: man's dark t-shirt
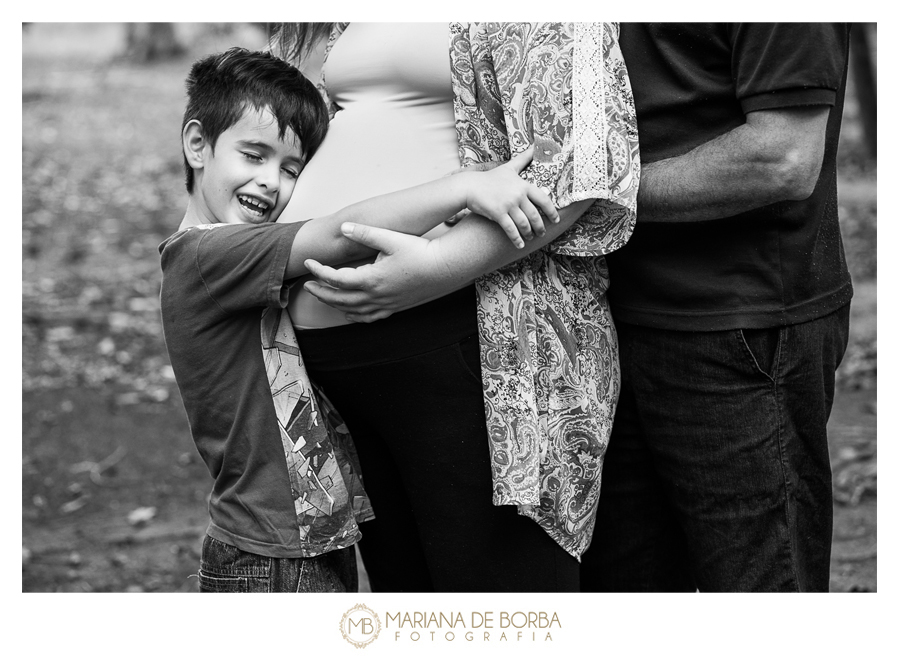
column 779, row 264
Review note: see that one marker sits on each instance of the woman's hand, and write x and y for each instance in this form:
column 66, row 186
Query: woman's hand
column 506, row 199
column 407, row 272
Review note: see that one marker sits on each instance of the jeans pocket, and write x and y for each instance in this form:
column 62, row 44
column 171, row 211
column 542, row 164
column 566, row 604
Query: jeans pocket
column 764, row 347
column 226, row 568
column 232, row 584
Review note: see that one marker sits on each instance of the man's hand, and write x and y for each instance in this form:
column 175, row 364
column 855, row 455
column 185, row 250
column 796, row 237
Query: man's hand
column 406, row 273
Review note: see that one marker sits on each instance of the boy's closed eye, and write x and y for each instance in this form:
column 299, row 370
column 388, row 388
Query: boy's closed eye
column 291, row 172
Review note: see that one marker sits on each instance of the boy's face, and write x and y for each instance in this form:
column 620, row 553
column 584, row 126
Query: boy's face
column 250, row 176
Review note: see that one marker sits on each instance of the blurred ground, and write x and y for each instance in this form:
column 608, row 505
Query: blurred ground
column 113, row 493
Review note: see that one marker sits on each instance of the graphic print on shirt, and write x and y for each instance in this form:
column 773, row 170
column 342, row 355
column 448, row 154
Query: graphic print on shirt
column 326, row 487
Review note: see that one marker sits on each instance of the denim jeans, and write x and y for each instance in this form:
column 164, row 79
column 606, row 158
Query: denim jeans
column 717, row 475
column 224, row 568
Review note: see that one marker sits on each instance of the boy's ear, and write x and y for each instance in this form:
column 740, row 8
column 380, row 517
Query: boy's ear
column 193, row 142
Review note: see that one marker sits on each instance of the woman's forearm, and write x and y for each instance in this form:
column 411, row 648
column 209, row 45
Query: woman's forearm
column 478, row 246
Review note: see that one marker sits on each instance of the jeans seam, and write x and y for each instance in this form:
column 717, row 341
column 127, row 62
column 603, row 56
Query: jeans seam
column 300, row 576
column 792, row 548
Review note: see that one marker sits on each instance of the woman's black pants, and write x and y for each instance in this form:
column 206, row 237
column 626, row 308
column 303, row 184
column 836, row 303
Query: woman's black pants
column 409, row 389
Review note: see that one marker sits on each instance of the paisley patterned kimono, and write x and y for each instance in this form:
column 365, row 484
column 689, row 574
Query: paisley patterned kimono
column 549, row 355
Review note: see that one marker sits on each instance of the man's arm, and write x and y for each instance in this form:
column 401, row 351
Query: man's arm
column 775, row 156
column 410, row 270
column 499, row 193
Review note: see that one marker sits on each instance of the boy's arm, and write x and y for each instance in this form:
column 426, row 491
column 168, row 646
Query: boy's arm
column 499, row 194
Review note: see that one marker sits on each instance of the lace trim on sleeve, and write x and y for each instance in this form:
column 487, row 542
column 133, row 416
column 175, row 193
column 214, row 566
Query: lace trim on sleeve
column 589, row 113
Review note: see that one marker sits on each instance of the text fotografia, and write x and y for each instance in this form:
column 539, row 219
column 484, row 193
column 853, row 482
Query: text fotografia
column 477, row 626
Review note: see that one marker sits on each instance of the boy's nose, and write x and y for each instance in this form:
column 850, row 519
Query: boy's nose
column 268, row 177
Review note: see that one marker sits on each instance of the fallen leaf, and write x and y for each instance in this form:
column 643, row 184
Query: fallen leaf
column 144, row 304
column 159, row 394
column 127, row 399
column 56, row 334
column 141, row 515
column 74, row 505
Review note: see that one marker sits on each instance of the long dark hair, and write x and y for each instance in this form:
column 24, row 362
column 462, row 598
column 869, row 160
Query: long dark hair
column 294, row 41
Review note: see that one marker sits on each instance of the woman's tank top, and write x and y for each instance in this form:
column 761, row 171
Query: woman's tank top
column 395, row 128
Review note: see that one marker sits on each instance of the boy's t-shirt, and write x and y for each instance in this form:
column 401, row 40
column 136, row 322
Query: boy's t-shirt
column 287, row 480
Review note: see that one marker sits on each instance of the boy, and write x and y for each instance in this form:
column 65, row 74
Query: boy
column 287, row 496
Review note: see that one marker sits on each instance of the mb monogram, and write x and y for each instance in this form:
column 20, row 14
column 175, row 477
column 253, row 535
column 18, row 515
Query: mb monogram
column 360, row 626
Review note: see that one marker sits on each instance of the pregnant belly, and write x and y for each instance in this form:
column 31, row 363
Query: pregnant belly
column 371, row 149
column 307, row 312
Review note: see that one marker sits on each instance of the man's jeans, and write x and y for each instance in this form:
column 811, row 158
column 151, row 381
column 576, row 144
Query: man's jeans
column 717, row 475
column 224, row 568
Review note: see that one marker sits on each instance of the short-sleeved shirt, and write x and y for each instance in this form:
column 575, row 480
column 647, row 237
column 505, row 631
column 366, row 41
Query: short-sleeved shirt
column 779, row 264
column 286, row 476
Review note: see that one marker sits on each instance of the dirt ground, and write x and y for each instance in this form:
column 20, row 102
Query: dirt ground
column 113, row 492
column 77, row 536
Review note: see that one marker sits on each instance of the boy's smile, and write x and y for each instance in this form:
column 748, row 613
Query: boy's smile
column 249, row 177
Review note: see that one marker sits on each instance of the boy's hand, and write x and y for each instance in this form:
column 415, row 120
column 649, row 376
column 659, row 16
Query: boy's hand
column 514, row 204
column 478, row 166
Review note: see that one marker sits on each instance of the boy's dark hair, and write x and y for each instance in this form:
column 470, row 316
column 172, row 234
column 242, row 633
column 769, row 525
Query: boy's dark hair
column 222, row 87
